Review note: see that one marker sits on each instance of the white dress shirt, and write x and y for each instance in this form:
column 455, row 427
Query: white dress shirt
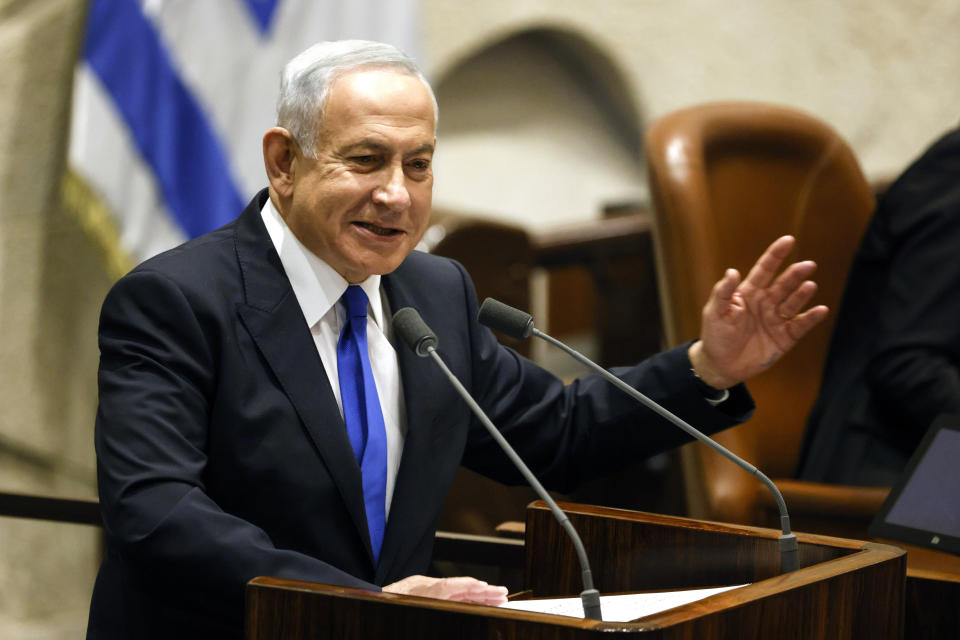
column 318, row 288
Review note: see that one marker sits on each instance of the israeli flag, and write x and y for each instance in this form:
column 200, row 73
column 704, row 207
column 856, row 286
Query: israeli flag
column 171, row 101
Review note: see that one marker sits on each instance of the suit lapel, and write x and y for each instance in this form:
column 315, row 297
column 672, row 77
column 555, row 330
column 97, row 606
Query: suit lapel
column 275, row 321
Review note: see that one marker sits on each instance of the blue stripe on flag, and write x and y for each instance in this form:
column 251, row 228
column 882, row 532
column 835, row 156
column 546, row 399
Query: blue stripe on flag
column 168, row 125
column 262, row 11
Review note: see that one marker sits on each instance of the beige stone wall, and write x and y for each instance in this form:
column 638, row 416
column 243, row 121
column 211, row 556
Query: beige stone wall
column 51, row 284
column 883, row 72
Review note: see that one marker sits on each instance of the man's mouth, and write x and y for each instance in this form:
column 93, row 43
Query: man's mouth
column 380, row 231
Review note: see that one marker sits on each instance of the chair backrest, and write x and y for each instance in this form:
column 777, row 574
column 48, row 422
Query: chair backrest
column 727, row 179
column 498, row 257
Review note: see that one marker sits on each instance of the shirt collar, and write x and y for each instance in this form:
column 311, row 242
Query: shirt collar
column 316, row 284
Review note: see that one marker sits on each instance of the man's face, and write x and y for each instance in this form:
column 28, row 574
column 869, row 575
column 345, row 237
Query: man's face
column 364, row 203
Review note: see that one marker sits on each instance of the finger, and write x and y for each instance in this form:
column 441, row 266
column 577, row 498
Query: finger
column 460, row 586
column 480, row 593
column 723, row 290
column 792, row 278
column 804, row 322
column 491, row 596
column 721, row 302
column 796, row 300
column 415, row 585
column 766, row 267
column 488, row 591
column 466, row 587
column 494, row 601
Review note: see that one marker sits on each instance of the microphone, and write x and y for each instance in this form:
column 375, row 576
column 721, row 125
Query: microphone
column 414, row 331
column 518, row 324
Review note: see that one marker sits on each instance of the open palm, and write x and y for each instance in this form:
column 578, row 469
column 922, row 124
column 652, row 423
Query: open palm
column 749, row 324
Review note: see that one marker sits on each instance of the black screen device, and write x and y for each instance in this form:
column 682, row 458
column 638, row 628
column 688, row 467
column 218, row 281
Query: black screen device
column 924, row 507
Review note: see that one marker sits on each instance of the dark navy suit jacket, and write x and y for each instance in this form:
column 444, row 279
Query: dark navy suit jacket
column 222, row 454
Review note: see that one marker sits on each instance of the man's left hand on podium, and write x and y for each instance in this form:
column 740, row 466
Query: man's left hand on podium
column 460, row 589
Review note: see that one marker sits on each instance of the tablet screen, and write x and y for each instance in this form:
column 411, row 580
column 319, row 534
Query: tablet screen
column 924, row 508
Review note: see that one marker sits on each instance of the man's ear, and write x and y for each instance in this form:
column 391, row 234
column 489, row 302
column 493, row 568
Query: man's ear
column 279, row 152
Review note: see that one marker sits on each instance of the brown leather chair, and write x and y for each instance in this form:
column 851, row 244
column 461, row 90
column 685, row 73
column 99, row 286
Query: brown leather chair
column 727, row 179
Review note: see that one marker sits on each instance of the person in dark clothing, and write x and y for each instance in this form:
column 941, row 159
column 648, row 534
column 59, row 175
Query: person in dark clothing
column 894, row 359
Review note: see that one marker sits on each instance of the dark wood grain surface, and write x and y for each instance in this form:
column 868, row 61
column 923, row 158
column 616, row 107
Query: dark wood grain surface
column 844, row 589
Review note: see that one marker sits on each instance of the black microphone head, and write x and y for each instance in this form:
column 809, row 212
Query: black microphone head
column 505, row 319
column 411, row 328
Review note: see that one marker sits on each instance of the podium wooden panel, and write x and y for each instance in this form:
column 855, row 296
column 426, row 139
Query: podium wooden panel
column 844, row 588
column 933, row 593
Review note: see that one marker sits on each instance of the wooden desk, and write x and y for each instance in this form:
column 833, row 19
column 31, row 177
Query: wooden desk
column 933, row 593
column 843, row 589
column 933, row 577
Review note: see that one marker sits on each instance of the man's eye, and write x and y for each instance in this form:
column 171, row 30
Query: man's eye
column 364, row 160
column 420, row 164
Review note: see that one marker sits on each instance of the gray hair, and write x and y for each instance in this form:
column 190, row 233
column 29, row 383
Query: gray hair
column 307, row 78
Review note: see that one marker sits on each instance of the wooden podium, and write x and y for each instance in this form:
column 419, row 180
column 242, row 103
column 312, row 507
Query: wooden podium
column 843, row 589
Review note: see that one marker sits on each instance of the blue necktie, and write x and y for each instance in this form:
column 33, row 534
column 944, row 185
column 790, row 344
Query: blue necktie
column 361, row 412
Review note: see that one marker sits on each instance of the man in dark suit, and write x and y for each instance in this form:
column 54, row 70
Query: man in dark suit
column 225, row 439
column 894, row 359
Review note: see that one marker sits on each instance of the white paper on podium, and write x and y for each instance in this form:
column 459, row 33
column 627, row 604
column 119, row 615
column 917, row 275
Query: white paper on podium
column 621, row 608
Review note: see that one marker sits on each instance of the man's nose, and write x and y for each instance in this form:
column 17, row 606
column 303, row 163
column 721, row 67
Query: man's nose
column 392, row 191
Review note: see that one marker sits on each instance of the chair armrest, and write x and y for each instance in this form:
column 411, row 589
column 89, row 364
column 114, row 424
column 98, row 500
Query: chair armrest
column 827, row 499
column 511, row 529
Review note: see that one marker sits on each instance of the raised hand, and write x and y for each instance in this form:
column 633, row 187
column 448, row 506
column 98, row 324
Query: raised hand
column 748, row 325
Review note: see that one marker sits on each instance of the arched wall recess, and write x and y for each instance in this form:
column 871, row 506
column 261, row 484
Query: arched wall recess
column 537, row 129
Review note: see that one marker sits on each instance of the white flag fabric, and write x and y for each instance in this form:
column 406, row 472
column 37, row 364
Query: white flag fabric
column 171, row 101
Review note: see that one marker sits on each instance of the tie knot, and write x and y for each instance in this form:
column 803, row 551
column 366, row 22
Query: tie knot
column 356, row 302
